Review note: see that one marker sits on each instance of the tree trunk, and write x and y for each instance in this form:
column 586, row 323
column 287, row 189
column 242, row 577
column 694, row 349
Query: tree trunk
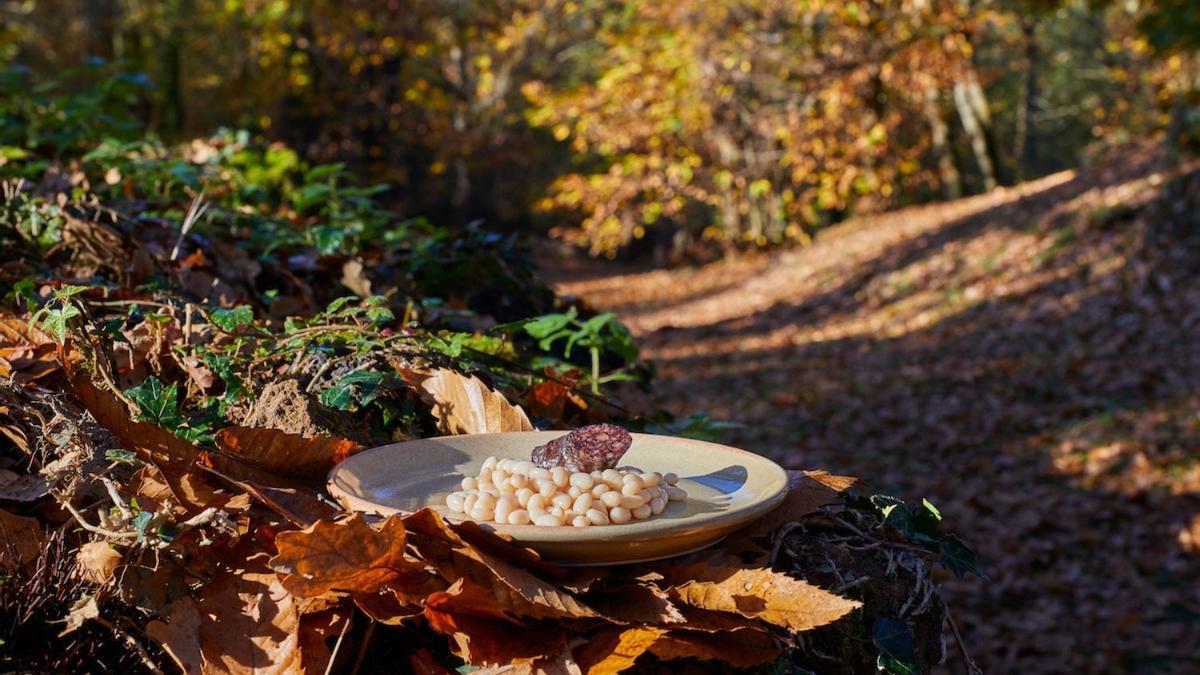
column 1024, row 145
column 967, row 96
column 939, row 134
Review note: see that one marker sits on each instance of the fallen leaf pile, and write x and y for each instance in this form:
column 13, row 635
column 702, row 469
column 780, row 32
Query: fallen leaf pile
column 1027, row 359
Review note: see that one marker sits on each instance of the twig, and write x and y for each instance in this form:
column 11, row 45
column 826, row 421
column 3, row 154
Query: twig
column 852, row 584
column 962, row 646
column 88, row 526
column 194, row 213
column 116, row 497
column 779, row 537
column 337, row 646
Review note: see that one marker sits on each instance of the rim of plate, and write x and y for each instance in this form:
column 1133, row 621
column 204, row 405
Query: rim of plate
column 775, row 491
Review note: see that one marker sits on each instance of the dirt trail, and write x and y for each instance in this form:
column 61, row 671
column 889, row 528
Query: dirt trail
column 1026, row 359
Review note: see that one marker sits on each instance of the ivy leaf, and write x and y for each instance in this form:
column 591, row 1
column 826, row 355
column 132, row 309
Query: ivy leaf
column 55, row 321
column 158, row 404
column 543, row 326
column 354, row 390
column 894, row 639
column 229, row 320
column 959, row 558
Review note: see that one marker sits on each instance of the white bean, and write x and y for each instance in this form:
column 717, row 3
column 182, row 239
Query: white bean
column 582, row 481
column 670, row 478
column 469, row 502
column 546, row 488
column 486, row 501
column 469, row 483
column 454, row 501
column 536, row 504
column 619, row 515
column 580, row 521
column 538, row 473
column 481, row 515
column 657, row 505
column 518, row 480
column 611, row 499
column 612, row 478
column 490, row 462
column 582, row 503
column 630, row 489
column 504, row 464
column 557, row 511
column 547, row 520
column 597, row 475
column 600, row 489
column 523, row 496
column 642, row 512
column 597, row 516
column 560, row 475
column 499, row 475
column 650, row 479
column 675, row 494
column 631, row 502
column 574, row 492
column 562, row 500
column 524, row 466
column 518, row 517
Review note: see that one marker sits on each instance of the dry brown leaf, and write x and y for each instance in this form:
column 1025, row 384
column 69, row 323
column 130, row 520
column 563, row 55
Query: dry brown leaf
column 518, row 590
column 15, row 487
column 741, row 650
column 757, row 593
column 299, row 505
column 251, row 626
column 26, row 353
column 807, row 492
column 179, row 635
column 289, row 455
column 484, row 636
column 387, row 607
column 635, row 603
column 97, row 561
column 20, row 537
column 170, row 454
column 347, row 556
column 612, row 650
column 83, row 610
column 465, row 405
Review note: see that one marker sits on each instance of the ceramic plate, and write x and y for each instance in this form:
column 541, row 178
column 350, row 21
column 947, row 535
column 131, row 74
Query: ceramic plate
column 727, row 488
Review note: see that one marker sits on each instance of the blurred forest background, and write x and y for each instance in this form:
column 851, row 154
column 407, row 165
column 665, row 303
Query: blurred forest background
column 734, row 123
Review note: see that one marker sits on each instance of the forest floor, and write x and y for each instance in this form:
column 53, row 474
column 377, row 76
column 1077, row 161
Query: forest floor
column 1027, row 359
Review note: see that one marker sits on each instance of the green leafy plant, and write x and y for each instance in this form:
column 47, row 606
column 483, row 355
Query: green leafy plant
column 159, row 405
column 598, row 334
column 56, row 316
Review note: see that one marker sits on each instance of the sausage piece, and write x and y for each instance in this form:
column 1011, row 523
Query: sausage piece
column 592, row 448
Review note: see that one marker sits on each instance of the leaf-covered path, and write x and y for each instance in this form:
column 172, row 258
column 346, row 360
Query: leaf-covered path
column 1026, row 359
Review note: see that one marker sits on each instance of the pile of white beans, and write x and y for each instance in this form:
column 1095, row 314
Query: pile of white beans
column 517, row 492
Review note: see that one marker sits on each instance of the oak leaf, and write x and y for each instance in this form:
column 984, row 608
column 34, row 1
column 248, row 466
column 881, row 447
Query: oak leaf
column 97, row 561
column 463, row 404
column 299, row 505
column 347, row 556
column 807, row 492
column 756, row 593
column 482, row 635
column 179, row 634
column 518, row 589
column 289, row 455
column 251, row 626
